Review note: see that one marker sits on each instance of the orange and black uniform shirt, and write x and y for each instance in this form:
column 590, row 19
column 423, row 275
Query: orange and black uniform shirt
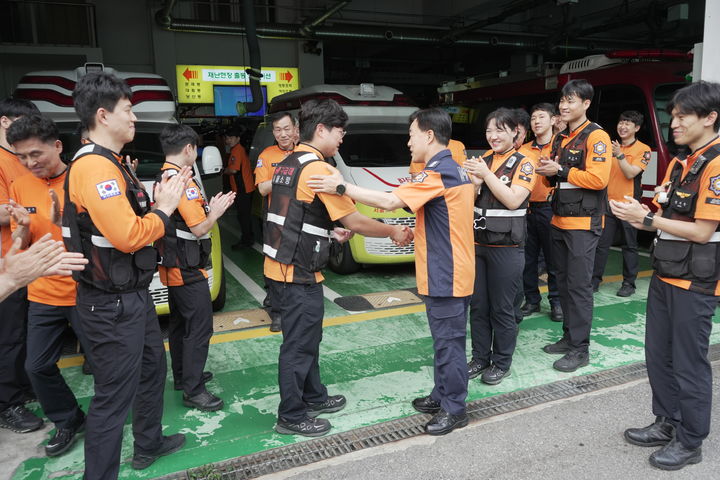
column 442, row 197
column 707, row 205
column 533, row 151
column 239, row 161
column 97, row 187
column 267, row 161
column 10, row 169
column 457, row 149
column 338, row 206
column 192, row 209
column 636, row 154
column 598, row 162
column 34, row 194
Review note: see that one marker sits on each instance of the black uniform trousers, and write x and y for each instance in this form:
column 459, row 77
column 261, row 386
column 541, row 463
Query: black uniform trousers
column 46, row 326
column 574, row 255
column 447, row 317
column 493, row 329
column 628, row 233
column 538, row 239
column 13, row 329
column 123, row 341
column 243, row 204
column 302, row 308
column 677, row 337
column 191, row 327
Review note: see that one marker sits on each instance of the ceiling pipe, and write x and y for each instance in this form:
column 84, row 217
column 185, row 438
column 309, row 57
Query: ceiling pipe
column 308, row 28
column 456, row 33
column 254, row 72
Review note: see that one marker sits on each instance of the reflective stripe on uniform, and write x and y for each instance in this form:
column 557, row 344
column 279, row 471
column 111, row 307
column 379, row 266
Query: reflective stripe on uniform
column 317, row 231
column 268, row 250
column 567, row 186
column 100, row 241
column 189, row 235
column 499, row 212
column 275, row 218
column 307, row 157
column 715, row 238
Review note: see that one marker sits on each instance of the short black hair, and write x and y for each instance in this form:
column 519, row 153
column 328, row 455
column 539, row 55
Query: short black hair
column 522, row 117
column 504, row 118
column 33, row 126
column 173, row 138
column 435, row 119
column 544, row 107
column 632, row 116
column 276, row 117
column 17, row 107
column 98, row 90
column 700, row 98
column 324, row 111
column 579, row 87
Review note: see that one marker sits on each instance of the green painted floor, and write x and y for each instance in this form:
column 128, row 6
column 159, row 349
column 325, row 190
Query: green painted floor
column 380, row 365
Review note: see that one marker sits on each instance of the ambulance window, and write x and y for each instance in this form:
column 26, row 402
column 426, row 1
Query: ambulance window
column 612, row 100
column 375, row 146
column 663, row 94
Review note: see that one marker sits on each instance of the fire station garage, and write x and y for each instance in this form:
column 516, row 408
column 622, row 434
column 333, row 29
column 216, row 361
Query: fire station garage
column 483, row 89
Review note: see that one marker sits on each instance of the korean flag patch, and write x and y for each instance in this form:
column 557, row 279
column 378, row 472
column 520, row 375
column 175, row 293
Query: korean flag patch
column 259, row 163
column 108, row 189
column 600, row 148
column 192, row 193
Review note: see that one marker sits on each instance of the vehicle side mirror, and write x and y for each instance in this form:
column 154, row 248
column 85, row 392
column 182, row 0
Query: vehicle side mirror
column 211, row 161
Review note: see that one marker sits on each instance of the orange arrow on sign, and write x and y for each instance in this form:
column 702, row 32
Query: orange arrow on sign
column 188, row 74
column 287, row 76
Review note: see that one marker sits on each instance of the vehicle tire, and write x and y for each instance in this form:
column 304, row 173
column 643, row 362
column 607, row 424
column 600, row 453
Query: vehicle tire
column 343, row 262
column 219, row 301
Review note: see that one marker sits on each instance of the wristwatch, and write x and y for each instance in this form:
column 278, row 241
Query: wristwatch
column 648, row 220
column 340, row 189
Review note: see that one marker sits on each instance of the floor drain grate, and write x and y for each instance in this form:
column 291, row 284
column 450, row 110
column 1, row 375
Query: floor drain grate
column 307, row 452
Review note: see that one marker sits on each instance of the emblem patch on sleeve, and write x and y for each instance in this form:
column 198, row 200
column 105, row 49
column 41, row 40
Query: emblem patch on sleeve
column 259, row 163
column 108, row 189
column 527, row 168
column 715, row 185
column 646, row 158
column 192, row 193
column 420, row 177
column 600, row 148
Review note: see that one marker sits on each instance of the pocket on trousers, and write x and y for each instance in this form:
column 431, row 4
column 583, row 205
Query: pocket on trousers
column 449, row 319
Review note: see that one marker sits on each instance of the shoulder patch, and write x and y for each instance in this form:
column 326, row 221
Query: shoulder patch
column 715, row 185
column 598, row 159
column 646, row 158
column 527, row 168
column 420, row 177
column 108, row 188
column 600, row 148
column 259, row 163
column 192, row 193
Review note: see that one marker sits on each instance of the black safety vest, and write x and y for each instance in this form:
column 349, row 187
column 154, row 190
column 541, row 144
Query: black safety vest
column 296, row 232
column 494, row 223
column 180, row 248
column 676, row 257
column 569, row 200
column 108, row 269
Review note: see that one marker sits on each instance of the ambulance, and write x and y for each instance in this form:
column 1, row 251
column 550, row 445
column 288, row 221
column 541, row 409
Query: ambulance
column 374, row 154
column 154, row 106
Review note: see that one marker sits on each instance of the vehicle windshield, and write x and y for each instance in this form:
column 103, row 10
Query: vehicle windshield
column 380, row 145
column 663, row 94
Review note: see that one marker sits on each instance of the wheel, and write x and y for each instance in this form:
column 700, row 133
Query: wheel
column 219, row 301
column 343, row 262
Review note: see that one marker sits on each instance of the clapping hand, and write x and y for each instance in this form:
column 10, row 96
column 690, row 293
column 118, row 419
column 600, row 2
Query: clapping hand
column 548, row 167
column 616, row 150
column 478, row 170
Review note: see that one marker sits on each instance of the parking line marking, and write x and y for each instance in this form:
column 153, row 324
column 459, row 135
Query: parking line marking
column 255, row 290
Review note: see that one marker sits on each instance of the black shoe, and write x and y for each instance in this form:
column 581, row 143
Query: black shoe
column 529, row 308
column 475, row 368
column 556, row 313
column 494, row 375
column 205, row 401
column 206, row 377
column 561, row 346
column 333, row 404
column 28, row 396
column 572, row 360
column 443, row 423
column 658, row 433
column 625, row 290
column 169, row 445
column 426, row 405
column 20, row 420
column 675, row 456
column 275, row 325
column 86, row 370
column 64, row 438
column 310, row 427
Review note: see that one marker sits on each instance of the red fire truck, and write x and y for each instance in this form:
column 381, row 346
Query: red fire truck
column 623, row 80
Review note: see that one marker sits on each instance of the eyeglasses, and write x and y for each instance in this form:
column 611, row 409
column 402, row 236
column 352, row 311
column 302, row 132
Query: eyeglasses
column 342, row 131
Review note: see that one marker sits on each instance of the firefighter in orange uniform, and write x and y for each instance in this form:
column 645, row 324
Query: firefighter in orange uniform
column 243, row 184
column 36, row 211
column 630, row 159
column 285, row 131
column 457, row 150
column 107, row 217
column 185, row 250
column 441, row 195
column 579, row 169
column 15, row 387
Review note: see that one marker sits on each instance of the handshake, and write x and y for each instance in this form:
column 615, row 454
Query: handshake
column 402, row 235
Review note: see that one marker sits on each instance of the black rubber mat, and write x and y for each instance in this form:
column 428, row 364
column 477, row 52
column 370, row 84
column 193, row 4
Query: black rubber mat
column 361, row 303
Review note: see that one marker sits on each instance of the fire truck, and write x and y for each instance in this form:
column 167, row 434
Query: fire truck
column 642, row 80
column 154, row 106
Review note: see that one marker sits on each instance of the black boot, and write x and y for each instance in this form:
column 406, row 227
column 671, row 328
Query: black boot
column 675, row 456
column 658, row 433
